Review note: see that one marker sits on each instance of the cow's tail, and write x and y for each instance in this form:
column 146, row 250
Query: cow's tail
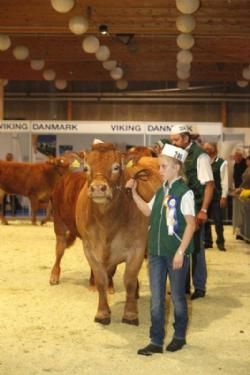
column 70, row 239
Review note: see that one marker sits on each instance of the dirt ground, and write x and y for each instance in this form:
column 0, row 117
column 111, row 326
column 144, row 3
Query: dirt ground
column 50, row 329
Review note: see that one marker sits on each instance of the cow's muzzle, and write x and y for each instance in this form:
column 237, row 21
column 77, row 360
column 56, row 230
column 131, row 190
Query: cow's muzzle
column 100, row 192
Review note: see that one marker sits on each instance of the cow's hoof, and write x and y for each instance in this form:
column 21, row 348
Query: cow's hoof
column 133, row 322
column 54, row 282
column 104, row 321
column 111, row 290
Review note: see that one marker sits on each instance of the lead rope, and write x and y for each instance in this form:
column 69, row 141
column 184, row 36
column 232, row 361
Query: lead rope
column 141, row 175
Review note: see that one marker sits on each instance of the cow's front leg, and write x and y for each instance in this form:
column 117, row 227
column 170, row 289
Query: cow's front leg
column 130, row 315
column 103, row 315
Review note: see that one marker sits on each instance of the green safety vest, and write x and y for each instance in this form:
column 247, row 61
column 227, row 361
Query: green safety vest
column 160, row 242
column 216, row 165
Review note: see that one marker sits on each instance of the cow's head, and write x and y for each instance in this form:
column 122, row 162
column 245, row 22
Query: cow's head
column 102, row 166
column 69, row 161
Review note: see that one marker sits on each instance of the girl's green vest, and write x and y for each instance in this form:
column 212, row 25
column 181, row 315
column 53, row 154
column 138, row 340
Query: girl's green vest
column 160, row 242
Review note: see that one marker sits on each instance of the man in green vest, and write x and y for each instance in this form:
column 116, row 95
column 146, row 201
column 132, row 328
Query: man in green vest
column 219, row 200
column 200, row 179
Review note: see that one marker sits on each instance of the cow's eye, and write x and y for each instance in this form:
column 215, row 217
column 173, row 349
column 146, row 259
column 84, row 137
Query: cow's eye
column 116, row 168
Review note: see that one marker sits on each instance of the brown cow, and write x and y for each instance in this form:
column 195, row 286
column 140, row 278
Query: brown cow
column 35, row 181
column 135, row 153
column 96, row 207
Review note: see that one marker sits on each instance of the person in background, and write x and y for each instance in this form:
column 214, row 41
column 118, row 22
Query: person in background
column 172, row 224
column 10, row 199
column 246, row 175
column 158, row 146
column 200, row 179
column 219, row 200
column 239, row 168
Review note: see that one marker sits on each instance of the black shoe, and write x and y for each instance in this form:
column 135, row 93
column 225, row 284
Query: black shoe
column 239, row 237
column 221, row 247
column 208, row 245
column 198, row 293
column 175, row 344
column 150, row 349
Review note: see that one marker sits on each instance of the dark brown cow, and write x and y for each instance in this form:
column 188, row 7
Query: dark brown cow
column 35, row 181
column 96, row 207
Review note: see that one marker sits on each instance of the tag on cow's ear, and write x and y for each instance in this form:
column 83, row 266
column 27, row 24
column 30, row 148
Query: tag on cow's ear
column 75, row 164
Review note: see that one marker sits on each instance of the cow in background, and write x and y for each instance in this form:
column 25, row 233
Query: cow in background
column 96, row 207
column 36, row 181
column 134, row 153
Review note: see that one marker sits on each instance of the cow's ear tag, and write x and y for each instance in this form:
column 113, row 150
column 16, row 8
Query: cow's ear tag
column 129, row 164
column 75, row 164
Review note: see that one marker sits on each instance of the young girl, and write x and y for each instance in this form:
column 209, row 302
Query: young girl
column 172, row 224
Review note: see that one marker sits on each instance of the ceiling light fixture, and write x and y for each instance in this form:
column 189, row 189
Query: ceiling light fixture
column 103, row 29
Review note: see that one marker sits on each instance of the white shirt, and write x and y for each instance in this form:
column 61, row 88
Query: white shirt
column 187, row 201
column 204, row 170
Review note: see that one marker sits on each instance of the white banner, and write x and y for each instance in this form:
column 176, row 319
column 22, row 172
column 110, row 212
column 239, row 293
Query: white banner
column 88, row 127
column 107, row 127
column 15, row 126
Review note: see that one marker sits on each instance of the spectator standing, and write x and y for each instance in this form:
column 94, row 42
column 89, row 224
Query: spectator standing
column 219, row 200
column 239, row 168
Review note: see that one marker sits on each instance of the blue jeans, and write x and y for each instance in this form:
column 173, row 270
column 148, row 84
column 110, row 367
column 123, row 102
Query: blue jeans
column 159, row 268
column 199, row 267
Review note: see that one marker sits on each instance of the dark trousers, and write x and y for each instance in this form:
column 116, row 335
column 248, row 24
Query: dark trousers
column 198, row 263
column 13, row 201
column 215, row 213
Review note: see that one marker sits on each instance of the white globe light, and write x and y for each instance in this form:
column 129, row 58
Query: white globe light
column 122, row 84
column 185, row 41
column 61, row 84
column 5, row 42
column 78, row 25
column 37, row 64
column 90, row 44
column 109, row 64
column 185, row 23
column 242, row 83
column 49, row 75
column 116, row 73
column 187, row 6
column 246, row 73
column 21, row 52
column 102, row 53
column 182, row 75
column 183, row 85
column 184, row 56
column 183, row 67
column 62, row 6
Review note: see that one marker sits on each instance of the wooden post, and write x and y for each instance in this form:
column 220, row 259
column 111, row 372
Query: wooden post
column 1, row 99
column 224, row 114
column 69, row 110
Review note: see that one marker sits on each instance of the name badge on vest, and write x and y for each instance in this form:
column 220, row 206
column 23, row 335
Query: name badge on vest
column 171, row 218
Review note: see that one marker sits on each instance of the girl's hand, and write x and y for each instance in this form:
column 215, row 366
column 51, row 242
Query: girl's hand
column 178, row 260
column 131, row 184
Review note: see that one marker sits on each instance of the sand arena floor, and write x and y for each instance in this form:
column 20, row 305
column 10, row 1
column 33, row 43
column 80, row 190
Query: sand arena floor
column 45, row 329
